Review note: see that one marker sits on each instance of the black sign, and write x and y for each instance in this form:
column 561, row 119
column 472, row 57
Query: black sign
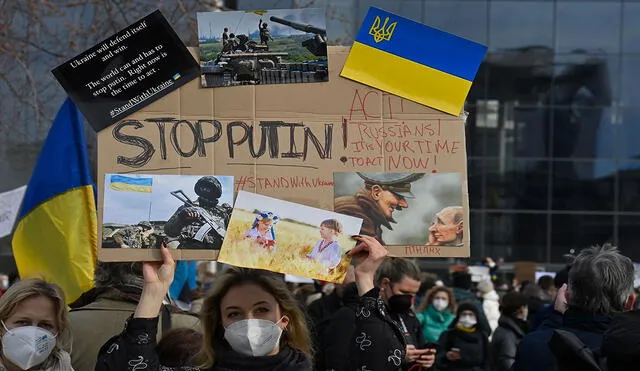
column 127, row 71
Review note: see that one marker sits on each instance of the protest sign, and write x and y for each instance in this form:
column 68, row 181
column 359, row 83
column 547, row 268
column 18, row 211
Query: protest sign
column 287, row 141
column 127, row 71
column 285, row 237
column 10, row 202
column 186, row 212
column 280, row 46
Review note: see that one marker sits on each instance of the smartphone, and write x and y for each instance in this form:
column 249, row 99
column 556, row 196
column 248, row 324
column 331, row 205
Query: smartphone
column 430, row 346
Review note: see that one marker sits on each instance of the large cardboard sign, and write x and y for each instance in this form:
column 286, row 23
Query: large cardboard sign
column 286, row 141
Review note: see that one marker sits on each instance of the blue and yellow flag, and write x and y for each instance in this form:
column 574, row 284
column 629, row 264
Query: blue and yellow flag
column 414, row 61
column 130, row 184
column 57, row 233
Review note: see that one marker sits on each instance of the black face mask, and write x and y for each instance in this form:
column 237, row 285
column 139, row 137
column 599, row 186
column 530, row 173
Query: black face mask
column 400, row 303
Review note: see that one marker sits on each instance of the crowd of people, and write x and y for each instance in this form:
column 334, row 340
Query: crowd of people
column 386, row 315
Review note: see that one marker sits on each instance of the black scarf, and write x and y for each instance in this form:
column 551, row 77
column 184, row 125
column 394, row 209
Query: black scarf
column 287, row 360
column 586, row 321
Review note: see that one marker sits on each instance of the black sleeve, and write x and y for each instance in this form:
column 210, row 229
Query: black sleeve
column 376, row 344
column 488, row 365
column 443, row 347
column 505, row 349
column 133, row 349
column 337, row 339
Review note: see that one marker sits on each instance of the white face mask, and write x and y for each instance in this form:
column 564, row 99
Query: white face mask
column 440, row 304
column 253, row 337
column 27, row 346
column 4, row 284
column 467, row 321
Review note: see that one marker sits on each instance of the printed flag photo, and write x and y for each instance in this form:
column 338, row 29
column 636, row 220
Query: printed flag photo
column 254, row 47
column 401, row 209
column 285, row 237
column 186, row 212
column 414, row 61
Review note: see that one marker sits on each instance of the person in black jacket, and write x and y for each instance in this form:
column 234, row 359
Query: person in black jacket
column 251, row 322
column 512, row 326
column 379, row 343
column 464, row 347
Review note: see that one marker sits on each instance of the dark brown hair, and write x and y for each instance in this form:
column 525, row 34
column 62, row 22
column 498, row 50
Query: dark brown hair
column 179, row 347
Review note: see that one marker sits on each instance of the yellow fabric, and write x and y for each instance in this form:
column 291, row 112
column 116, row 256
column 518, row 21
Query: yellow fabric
column 464, row 329
column 57, row 241
column 406, row 78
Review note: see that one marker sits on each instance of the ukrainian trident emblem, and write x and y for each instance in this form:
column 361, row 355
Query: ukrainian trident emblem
column 383, row 32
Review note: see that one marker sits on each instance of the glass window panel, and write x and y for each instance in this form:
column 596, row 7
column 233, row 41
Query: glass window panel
column 576, row 232
column 628, row 236
column 588, row 25
column 466, row 19
column 520, row 236
column 628, row 132
column 586, row 79
column 629, row 186
column 476, row 228
column 476, row 172
column 533, row 21
column 583, row 185
column 517, row 184
column 475, row 132
column 411, row 9
column 581, row 132
column 631, row 27
column 629, row 80
column 521, row 76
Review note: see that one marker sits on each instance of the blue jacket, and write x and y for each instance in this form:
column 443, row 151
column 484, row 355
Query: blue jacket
column 534, row 353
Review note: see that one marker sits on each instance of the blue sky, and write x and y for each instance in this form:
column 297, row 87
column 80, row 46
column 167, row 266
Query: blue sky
column 246, row 22
column 133, row 207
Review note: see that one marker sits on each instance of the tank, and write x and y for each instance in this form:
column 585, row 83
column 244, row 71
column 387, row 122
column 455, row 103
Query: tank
column 316, row 45
column 249, row 63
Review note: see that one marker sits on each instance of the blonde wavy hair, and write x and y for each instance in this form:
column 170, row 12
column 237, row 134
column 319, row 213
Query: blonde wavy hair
column 35, row 287
column 296, row 336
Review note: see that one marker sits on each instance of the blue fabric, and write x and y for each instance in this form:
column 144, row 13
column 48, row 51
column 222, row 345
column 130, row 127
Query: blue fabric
column 534, row 353
column 186, row 272
column 541, row 316
column 63, row 163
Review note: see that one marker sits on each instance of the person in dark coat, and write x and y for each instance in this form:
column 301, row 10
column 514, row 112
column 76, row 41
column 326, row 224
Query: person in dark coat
column 600, row 285
column 462, row 292
column 621, row 342
column 547, row 314
column 512, row 326
column 464, row 347
column 379, row 342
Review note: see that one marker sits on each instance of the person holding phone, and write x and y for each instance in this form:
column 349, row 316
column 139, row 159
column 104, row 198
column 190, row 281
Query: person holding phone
column 463, row 347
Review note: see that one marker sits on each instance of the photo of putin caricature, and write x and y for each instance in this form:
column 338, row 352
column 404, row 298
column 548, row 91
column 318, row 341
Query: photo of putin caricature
column 446, row 228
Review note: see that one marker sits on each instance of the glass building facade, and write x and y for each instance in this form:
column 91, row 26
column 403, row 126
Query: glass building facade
column 553, row 136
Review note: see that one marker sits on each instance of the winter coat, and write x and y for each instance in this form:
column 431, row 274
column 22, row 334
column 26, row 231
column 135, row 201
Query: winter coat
column 534, row 353
column 434, row 323
column 474, row 351
column 491, row 309
column 134, row 349
column 504, row 343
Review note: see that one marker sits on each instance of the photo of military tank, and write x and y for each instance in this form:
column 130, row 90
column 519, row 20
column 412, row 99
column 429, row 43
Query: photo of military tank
column 285, row 51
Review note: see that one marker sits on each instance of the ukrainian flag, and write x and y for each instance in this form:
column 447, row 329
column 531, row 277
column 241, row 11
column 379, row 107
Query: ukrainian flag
column 414, row 61
column 57, row 233
column 130, row 184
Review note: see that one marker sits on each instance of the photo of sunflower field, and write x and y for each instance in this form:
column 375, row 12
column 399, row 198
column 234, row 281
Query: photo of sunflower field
column 294, row 240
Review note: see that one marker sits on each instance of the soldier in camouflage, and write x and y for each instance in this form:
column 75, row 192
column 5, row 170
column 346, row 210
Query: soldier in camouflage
column 190, row 228
column 140, row 236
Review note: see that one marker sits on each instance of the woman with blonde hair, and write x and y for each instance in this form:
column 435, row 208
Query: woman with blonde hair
column 34, row 327
column 436, row 312
column 250, row 321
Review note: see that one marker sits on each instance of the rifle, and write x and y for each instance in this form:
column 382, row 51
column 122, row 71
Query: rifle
column 202, row 214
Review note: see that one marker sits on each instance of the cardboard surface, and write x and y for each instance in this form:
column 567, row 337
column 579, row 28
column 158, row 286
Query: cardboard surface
column 285, row 141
